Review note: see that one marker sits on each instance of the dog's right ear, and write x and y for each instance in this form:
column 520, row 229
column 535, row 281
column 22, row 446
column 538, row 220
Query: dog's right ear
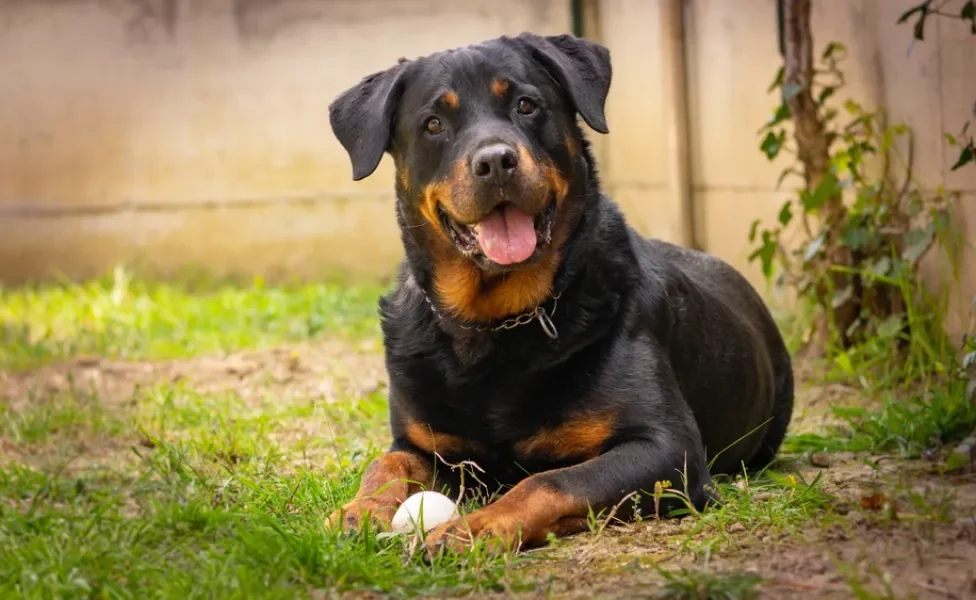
column 362, row 118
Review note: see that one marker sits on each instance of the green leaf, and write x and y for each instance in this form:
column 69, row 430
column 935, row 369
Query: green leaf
column 965, row 157
column 825, row 190
column 845, row 364
column 782, row 113
column 772, row 144
column 855, row 237
column 917, row 242
column 831, row 48
column 957, row 460
column 766, row 253
column 853, row 108
column 891, row 327
column 941, row 220
column 908, row 14
column 825, row 94
column 919, row 30
column 915, row 207
column 968, row 11
column 923, row 13
column 753, row 229
column 888, row 138
column 777, row 81
column 840, row 161
column 951, row 139
column 786, row 214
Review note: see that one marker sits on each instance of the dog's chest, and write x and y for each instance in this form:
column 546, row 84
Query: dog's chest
column 510, row 427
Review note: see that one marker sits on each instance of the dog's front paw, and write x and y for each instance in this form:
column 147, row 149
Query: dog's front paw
column 500, row 531
column 353, row 515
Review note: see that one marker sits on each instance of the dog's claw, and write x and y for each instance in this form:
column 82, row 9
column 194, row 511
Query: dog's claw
column 353, row 515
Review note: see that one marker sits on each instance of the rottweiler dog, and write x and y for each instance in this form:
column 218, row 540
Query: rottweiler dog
column 531, row 330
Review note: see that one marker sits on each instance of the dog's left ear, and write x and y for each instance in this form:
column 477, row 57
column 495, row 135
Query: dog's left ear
column 362, row 118
column 581, row 67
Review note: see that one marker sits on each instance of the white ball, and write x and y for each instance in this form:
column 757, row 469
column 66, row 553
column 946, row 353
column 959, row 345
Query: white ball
column 427, row 508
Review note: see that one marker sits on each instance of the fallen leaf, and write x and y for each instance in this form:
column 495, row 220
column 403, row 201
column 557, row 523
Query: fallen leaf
column 880, row 502
column 873, row 501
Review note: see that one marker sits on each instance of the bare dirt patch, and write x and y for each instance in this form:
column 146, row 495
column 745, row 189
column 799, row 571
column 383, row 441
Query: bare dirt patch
column 329, row 369
column 327, row 372
column 897, row 529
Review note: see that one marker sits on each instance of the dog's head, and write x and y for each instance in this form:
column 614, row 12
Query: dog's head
column 486, row 148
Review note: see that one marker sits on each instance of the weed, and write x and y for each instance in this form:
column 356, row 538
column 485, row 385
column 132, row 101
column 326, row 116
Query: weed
column 909, row 425
column 863, row 232
column 769, row 504
column 859, row 232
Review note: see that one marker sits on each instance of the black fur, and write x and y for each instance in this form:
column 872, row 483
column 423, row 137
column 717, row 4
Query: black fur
column 674, row 340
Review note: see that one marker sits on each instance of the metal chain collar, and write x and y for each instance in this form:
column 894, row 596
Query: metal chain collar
column 536, row 314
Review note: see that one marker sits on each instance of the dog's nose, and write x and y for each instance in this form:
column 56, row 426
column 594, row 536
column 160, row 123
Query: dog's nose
column 495, row 163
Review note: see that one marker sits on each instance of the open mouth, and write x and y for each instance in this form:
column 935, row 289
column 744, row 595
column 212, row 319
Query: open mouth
column 505, row 236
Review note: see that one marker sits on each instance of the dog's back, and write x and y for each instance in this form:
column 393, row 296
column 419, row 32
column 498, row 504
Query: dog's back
column 717, row 318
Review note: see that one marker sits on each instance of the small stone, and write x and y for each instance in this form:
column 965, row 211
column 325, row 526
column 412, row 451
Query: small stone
column 736, row 528
column 820, row 459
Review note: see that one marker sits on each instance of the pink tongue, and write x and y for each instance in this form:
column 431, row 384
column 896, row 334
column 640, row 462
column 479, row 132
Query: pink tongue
column 507, row 235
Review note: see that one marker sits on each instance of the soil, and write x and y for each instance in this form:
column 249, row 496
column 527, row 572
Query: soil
column 900, row 528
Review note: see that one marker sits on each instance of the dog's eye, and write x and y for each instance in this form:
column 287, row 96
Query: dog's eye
column 526, row 106
column 433, row 126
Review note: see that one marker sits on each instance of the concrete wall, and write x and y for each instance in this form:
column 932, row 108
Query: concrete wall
column 175, row 133
column 732, row 56
column 171, row 133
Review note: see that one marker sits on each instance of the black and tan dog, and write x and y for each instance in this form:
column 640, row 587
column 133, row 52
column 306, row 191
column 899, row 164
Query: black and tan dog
column 532, row 331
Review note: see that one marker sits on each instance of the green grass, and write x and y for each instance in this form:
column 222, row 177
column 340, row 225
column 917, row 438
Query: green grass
column 118, row 317
column 175, row 531
column 909, row 363
column 173, row 493
column 173, row 489
column 63, row 415
column 908, row 426
column 770, row 504
column 223, row 428
column 204, row 501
